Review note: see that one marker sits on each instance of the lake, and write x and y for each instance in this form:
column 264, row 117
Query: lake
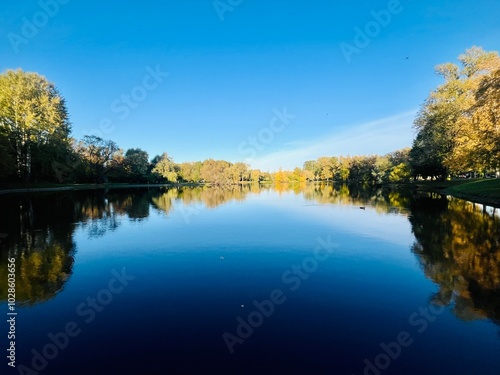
column 303, row 279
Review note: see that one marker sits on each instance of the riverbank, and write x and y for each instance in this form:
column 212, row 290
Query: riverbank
column 483, row 191
column 47, row 187
column 486, row 191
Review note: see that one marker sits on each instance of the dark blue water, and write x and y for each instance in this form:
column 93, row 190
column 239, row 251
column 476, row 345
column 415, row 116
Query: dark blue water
column 251, row 281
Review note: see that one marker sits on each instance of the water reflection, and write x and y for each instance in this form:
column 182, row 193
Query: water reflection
column 456, row 243
column 40, row 238
column 382, row 200
column 209, row 197
column 458, row 246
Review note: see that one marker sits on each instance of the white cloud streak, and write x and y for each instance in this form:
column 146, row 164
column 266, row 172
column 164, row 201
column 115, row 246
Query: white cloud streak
column 375, row 137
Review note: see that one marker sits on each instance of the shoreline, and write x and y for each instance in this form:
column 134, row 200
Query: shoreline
column 453, row 188
column 488, row 193
column 74, row 187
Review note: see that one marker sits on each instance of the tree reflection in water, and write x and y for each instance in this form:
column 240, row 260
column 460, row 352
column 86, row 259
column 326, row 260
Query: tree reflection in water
column 456, row 242
column 40, row 238
column 458, row 246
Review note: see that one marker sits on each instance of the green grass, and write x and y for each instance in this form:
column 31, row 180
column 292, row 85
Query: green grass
column 440, row 185
column 483, row 191
column 480, row 190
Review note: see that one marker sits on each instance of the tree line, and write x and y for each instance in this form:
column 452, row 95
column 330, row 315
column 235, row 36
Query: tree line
column 457, row 131
column 36, row 145
column 457, row 128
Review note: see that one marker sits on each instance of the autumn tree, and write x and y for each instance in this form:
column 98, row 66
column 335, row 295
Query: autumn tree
column 32, row 114
column 382, row 169
column 479, row 144
column 281, row 177
column 344, row 168
column 445, row 124
column 165, row 167
column 190, row 172
column 312, row 168
column 328, row 167
column 218, row 172
column 297, row 175
column 238, row 172
column 255, row 175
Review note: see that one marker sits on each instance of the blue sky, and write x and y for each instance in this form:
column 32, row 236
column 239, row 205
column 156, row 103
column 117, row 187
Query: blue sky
column 232, row 68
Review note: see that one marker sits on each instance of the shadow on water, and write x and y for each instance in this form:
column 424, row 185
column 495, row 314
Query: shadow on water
column 456, row 242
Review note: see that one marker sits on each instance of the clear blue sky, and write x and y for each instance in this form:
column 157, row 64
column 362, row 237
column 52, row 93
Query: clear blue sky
column 228, row 77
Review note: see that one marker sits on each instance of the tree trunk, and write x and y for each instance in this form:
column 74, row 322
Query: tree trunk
column 19, row 159
column 28, row 162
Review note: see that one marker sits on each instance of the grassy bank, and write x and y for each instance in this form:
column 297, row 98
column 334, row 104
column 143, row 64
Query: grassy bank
column 485, row 191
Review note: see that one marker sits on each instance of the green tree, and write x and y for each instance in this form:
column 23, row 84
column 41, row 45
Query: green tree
column 98, row 153
column 54, row 161
column 382, row 169
column 166, row 168
column 190, row 172
column 344, row 168
column 400, row 156
column 216, row 172
column 8, row 159
column 312, row 169
column 328, row 167
column 362, row 168
column 400, row 173
column 32, row 114
column 136, row 163
column 297, row 175
column 427, row 155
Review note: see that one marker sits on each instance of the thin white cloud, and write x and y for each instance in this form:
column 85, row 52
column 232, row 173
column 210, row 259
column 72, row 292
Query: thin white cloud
column 375, row 137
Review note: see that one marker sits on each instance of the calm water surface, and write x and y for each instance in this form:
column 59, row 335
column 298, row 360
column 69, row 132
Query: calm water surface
column 249, row 280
